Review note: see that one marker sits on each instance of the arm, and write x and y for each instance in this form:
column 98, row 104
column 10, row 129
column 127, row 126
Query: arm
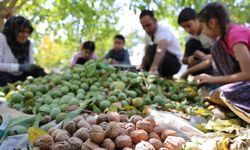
column 159, row 55
column 126, row 58
column 243, row 56
column 203, row 65
column 6, row 67
column 108, row 55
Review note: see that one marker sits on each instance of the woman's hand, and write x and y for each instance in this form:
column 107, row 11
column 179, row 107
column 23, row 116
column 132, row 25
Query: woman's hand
column 204, row 78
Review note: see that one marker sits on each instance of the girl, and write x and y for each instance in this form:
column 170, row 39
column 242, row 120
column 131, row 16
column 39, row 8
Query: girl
column 235, row 41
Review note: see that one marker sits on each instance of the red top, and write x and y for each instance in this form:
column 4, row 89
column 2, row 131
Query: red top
column 236, row 34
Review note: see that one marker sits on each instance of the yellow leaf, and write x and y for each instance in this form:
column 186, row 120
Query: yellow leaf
column 34, row 133
column 203, row 112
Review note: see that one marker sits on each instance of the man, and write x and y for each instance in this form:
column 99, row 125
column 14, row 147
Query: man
column 162, row 50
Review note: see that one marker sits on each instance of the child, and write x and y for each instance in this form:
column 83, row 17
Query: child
column 235, row 40
column 198, row 45
column 118, row 55
column 86, row 53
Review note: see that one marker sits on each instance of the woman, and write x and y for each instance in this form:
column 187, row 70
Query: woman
column 16, row 60
column 235, row 41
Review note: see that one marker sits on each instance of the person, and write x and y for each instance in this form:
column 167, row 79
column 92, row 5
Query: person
column 118, row 55
column 198, row 45
column 163, row 53
column 84, row 54
column 234, row 39
column 16, row 60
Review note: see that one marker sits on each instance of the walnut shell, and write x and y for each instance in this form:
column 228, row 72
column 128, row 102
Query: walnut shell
column 123, row 141
column 123, row 124
column 62, row 145
column 82, row 133
column 44, row 142
column 70, row 127
column 75, row 143
column 144, row 125
column 127, row 148
column 89, row 145
column 151, row 120
column 124, row 118
column 174, row 143
column 45, row 119
column 84, row 123
column 72, row 108
column 104, row 125
column 163, row 148
column 167, row 133
column 154, row 135
column 102, row 118
column 113, row 129
column 36, row 148
column 143, row 145
column 62, row 136
column 113, row 116
column 108, row 144
column 134, row 119
column 51, row 130
column 55, row 132
column 77, row 119
column 158, row 130
column 91, row 120
column 156, row 143
column 129, row 128
column 96, row 134
column 138, row 136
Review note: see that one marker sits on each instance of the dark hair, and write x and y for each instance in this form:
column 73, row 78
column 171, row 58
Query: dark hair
column 186, row 14
column 89, row 45
column 147, row 13
column 12, row 27
column 120, row 37
column 218, row 11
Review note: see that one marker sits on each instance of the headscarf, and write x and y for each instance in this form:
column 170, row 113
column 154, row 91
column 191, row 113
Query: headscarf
column 12, row 27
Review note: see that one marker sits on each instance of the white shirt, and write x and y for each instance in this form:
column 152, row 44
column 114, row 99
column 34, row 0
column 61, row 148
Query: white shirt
column 8, row 62
column 163, row 33
column 206, row 42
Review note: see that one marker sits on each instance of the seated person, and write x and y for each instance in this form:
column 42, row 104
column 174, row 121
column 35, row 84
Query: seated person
column 198, row 45
column 84, row 54
column 16, row 53
column 163, row 52
column 234, row 40
column 118, row 55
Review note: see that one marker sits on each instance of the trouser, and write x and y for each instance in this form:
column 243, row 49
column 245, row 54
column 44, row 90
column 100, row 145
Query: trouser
column 6, row 77
column 169, row 66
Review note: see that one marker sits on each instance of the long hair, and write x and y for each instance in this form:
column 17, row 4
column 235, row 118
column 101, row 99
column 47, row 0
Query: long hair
column 218, row 11
column 12, row 27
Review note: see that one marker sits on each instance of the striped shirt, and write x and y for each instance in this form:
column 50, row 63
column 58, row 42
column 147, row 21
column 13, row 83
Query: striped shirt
column 8, row 62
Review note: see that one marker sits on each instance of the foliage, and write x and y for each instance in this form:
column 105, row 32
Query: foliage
column 70, row 22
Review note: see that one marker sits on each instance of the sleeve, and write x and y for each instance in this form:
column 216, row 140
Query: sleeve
column 126, row 58
column 108, row 55
column 237, row 37
column 31, row 53
column 6, row 67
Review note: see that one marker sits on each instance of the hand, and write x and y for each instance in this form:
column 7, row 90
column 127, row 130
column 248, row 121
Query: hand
column 154, row 71
column 27, row 67
column 204, row 78
column 139, row 68
column 114, row 61
column 199, row 54
column 185, row 75
column 191, row 61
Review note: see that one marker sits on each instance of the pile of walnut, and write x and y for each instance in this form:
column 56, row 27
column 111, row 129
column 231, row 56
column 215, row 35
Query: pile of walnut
column 110, row 131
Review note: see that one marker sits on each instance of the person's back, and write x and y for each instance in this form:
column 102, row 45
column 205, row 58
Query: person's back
column 118, row 55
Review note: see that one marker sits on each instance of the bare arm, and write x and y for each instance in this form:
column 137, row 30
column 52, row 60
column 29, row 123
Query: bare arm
column 203, row 65
column 242, row 54
column 159, row 55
